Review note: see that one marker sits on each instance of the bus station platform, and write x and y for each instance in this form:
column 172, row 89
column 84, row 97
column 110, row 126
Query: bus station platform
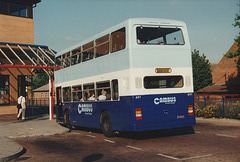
column 32, row 126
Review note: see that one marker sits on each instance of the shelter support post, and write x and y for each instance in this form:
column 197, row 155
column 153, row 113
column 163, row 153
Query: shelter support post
column 51, row 104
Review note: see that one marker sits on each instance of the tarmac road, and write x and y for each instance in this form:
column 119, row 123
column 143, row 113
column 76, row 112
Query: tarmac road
column 213, row 140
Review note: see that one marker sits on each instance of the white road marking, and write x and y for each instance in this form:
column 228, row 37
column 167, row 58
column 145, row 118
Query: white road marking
column 109, row 141
column 225, row 135
column 196, row 157
column 91, row 136
column 197, row 132
column 170, row 157
column 174, row 158
column 76, row 133
column 132, row 147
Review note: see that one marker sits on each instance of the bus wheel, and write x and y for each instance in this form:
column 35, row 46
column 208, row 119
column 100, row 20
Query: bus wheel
column 105, row 124
column 67, row 120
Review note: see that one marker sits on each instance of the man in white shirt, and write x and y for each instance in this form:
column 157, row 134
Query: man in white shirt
column 22, row 101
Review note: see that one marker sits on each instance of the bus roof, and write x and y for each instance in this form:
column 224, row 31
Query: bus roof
column 128, row 22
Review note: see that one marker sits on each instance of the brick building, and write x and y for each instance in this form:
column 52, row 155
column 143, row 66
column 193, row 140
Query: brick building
column 18, row 53
column 225, row 76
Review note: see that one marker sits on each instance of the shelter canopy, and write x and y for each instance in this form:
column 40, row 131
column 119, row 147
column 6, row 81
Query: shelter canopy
column 27, row 56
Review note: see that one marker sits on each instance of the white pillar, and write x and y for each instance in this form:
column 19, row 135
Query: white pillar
column 50, row 98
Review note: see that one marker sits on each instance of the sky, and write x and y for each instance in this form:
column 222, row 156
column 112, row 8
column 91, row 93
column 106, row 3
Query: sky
column 61, row 24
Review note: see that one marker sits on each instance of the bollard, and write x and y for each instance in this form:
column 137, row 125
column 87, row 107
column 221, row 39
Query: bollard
column 205, row 101
column 223, row 115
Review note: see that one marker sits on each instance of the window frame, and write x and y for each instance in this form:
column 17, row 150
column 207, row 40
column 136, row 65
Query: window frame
column 87, row 91
column 77, row 52
column 164, row 40
column 105, row 88
column 115, row 42
column 168, row 82
column 88, row 50
column 102, row 43
column 69, row 99
column 79, row 91
column 5, row 88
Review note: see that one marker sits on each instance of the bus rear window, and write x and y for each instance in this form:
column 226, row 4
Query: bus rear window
column 159, row 36
column 156, row 82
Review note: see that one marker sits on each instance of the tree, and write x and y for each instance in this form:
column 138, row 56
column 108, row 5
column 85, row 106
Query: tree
column 237, row 39
column 202, row 76
column 40, row 79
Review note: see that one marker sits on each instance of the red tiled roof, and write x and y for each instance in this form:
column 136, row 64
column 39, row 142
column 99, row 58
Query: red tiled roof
column 226, row 69
column 220, row 89
column 225, row 76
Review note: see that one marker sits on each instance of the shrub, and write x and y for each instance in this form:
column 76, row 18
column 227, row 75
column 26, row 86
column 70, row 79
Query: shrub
column 209, row 111
column 198, row 111
column 234, row 110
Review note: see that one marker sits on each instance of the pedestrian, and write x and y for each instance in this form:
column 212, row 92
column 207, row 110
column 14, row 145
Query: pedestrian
column 22, row 101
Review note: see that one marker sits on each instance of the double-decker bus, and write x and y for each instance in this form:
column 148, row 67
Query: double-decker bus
column 135, row 76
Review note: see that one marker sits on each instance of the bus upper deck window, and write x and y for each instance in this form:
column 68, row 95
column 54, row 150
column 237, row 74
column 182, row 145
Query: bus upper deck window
column 159, row 36
column 76, row 56
column 66, row 60
column 88, row 51
column 58, row 62
column 118, row 40
column 102, row 46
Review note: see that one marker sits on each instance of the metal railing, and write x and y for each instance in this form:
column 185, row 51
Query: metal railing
column 37, row 106
column 39, row 102
column 226, row 106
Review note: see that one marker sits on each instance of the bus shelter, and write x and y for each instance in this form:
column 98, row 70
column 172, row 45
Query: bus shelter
column 18, row 61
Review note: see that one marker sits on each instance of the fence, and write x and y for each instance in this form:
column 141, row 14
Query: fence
column 37, row 106
column 226, row 106
column 38, row 102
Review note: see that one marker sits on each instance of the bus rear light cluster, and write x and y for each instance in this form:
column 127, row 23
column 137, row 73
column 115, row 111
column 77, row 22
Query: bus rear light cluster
column 190, row 110
column 138, row 112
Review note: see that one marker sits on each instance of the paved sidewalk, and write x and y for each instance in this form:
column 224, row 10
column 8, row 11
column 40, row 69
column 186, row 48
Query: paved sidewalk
column 32, row 126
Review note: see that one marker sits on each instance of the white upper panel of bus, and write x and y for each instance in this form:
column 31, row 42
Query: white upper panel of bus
column 129, row 23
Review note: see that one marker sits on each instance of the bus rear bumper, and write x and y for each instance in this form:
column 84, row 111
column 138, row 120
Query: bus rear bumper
column 159, row 126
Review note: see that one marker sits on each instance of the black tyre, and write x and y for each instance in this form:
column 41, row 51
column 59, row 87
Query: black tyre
column 67, row 120
column 105, row 124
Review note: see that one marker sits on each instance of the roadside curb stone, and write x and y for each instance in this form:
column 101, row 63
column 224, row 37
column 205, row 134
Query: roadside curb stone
column 31, row 127
column 9, row 149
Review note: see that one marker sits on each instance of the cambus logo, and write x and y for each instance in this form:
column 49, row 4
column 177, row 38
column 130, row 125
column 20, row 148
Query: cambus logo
column 165, row 100
column 85, row 108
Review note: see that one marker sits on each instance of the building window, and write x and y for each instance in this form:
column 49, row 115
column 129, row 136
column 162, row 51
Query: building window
column 21, row 10
column 4, row 89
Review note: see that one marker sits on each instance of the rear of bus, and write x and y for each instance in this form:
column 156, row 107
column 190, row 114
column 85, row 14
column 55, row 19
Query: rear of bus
column 161, row 75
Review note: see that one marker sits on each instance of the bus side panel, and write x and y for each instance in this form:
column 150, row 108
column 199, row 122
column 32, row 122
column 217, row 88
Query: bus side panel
column 87, row 114
column 83, row 114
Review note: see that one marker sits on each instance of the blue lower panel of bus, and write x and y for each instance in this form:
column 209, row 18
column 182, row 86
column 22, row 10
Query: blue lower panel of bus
column 136, row 113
